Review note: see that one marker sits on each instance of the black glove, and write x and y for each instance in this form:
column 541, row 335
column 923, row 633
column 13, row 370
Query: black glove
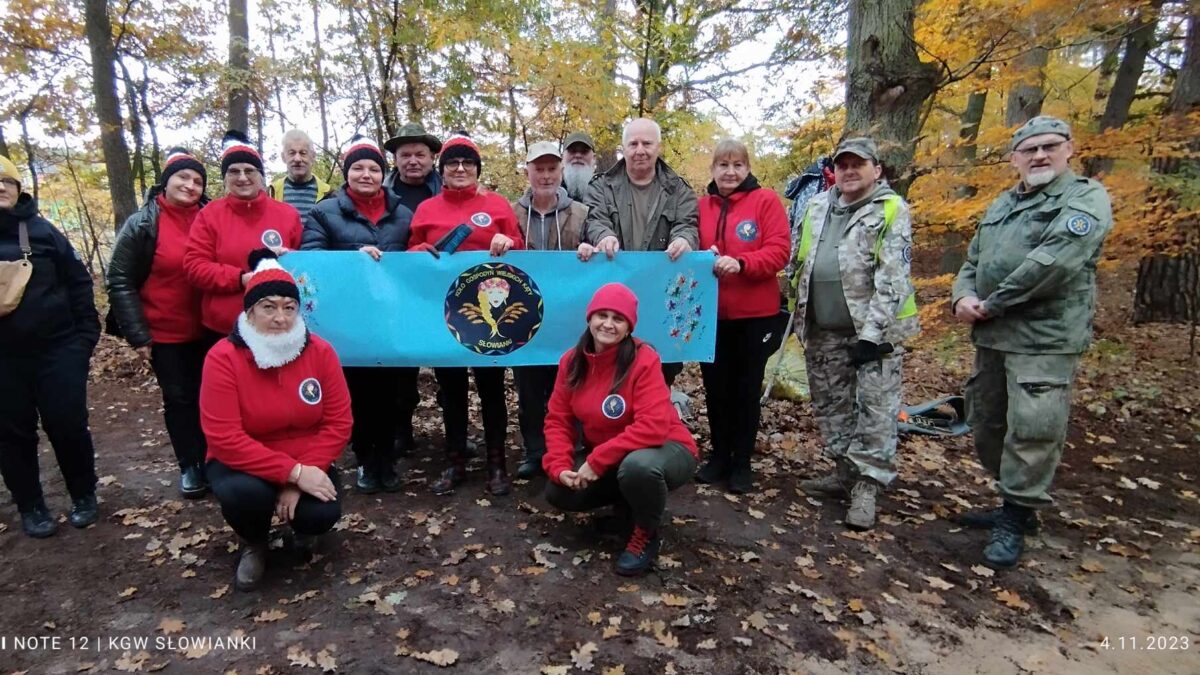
column 864, row 352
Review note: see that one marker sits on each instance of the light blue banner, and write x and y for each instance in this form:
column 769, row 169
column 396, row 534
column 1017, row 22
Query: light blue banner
column 470, row 309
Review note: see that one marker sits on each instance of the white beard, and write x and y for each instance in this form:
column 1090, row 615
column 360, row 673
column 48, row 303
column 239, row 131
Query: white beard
column 1040, row 177
column 577, row 178
column 273, row 351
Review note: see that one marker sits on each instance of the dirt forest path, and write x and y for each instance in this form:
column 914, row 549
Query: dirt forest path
column 766, row 583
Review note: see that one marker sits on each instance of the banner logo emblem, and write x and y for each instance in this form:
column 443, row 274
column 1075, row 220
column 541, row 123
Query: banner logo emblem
column 272, row 239
column 493, row 309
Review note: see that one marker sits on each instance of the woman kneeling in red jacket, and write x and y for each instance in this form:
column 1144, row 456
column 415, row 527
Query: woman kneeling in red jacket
column 635, row 448
column 275, row 409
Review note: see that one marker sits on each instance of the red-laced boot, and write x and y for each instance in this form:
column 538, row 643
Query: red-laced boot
column 640, row 552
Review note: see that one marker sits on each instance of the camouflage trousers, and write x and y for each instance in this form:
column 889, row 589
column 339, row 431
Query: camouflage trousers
column 1017, row 406
column 856, row 408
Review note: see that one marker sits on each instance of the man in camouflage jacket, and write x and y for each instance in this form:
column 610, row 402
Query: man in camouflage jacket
column 854, row 308
column 1028, row 291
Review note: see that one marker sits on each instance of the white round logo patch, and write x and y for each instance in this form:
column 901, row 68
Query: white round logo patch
column 272, row 238
column 1079, row 225
column 613, row 407
column 481, row 219
column 310, row 391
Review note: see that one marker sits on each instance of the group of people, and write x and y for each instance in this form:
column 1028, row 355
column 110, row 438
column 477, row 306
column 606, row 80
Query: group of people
column 258, row 408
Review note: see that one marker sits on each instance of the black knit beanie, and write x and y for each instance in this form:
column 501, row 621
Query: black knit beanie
column 179, row 159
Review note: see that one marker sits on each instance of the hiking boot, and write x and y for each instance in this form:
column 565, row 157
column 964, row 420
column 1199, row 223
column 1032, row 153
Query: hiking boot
column 451, row 477
column 741, row 478
column 715, row 470
column 191, row 482
column 389, row 479
column 1007, row 540
column 829, row 485
column 985, row 520
column 84, row 511
column 640, row 552
column 531, row 466
column 368, row 481
column 251, row 566
column 861, row 514
column 37, row 522
column 304, row 544
column 498, row 483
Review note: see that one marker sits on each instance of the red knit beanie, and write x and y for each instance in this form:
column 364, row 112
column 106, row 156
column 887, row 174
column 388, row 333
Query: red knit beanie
column 617, row 298
column 269, row 279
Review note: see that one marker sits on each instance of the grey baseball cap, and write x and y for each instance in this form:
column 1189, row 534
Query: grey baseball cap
column 860, row 146
column 579, row 137
column 1042, row 124
column 542, row 149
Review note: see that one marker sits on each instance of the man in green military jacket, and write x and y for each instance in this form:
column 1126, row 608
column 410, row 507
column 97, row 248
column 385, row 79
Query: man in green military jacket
column 1028, row 291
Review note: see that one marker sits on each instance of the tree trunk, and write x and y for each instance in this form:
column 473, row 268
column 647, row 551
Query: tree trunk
column 239, row 67
column 108, row 110
column 319, row 77
column 1168, row 286
column 887, row 85
column 1025, row 99
column 155, row 147
column 28, row 145
column 275, row 86
column 135, row 128
column 954, row 245
column 1138, row 44
column 4, row 145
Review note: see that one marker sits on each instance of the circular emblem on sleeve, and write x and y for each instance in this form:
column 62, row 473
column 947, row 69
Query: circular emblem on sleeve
column 272, row 238
column 613, row 407
column 747, row 230
column 907, row 253
column 481, row 219
column 493, row 309
column 1079, row 225
column 310, row 391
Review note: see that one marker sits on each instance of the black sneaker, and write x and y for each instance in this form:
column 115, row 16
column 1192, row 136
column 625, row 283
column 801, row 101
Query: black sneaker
column 368, row 482
column 986, row 520
column 530, row 467
column 36, row 521
column 84, row 512
column 741, row 479
column 640, row 552
column 389, row 480
column 1007, row 541
column 192, row 484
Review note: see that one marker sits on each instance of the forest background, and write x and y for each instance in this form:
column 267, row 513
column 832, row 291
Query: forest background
column 97, row 89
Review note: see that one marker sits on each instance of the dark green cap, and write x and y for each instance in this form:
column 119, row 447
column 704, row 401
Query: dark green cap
column 579, row 137
column 1042, row 124
column 413, row 133
column 860, row 146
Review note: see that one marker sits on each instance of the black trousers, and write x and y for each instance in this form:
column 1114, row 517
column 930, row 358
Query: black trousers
column 51, row 385
column 248, row 502
column 535, row 384
column 733, row 381
column 452, row 396
column 372, row 399
column 408, row 397
column 178, row 368
column 671, row 371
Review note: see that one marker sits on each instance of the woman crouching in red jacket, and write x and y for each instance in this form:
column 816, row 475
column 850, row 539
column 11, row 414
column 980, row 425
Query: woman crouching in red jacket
column 276, row 411
column 635, row 448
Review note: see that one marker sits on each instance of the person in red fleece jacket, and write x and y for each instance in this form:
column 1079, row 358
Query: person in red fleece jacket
column 158, row 312
column 635, row 448
column 493, row 228
column 228, row 229
column 276, row 411
column 746, row 227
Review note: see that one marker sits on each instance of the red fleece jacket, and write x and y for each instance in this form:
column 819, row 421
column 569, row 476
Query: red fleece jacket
column 221, row 239
column 485, row 211
column 262, row 422
column 638, row 416
column 171, row 305
column 755, row 231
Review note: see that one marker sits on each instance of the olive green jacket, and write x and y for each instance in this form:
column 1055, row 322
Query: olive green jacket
column 1032, row 262
column 675, row 215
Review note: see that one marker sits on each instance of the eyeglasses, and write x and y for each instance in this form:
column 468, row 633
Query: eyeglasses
column 1032, row 150
column 238, row 173
column 461, row 164
column 9, row 182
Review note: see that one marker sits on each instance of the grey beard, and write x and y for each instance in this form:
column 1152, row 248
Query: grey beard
column 577, row 178
column 274, row 350
column 1040, row 177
